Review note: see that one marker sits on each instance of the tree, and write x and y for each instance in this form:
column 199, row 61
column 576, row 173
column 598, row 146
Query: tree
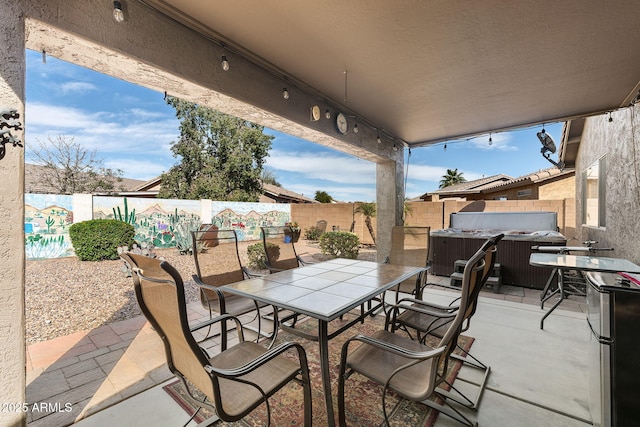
column 368, row 210
column 451, row 178
column 268, row 177
column 323, row 197
column 70, row 168
column 222, row 156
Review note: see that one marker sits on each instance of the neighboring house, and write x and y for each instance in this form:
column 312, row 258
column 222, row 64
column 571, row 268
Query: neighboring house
column 34, row 182
column 546, row 184
column 270, row 193
column 274, row 194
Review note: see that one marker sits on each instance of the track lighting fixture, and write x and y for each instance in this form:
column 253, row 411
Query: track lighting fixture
column 118, row 14
column 225, row 63
column 327, row 114
column 355, row 128
column 395, row 147
column 378, row 138
column 610, row 118
column 285, row 93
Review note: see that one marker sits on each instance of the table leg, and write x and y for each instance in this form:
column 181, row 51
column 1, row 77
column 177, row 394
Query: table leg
column 562, row 296
column 547, row 287
column 323, row 342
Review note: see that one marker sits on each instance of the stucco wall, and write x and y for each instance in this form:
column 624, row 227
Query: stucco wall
column 12, row 323
column 619, row 140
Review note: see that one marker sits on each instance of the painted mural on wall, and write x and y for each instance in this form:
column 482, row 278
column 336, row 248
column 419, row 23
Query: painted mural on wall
column 164, row 223
column 47, row 218
column 247, row 218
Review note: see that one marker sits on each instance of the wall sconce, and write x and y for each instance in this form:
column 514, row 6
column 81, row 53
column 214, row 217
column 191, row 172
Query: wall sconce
column 285, row 93
column 118, row 14
column 225, row 63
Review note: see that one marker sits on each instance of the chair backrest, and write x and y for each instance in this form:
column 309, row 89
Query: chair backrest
column 215, row 253
column 471, row 279
column 279, row 248
column 490, row 247
column 410, row 247
column 160, row 292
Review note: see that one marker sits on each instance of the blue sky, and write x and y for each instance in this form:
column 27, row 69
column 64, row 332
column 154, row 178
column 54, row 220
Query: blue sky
column 132, row 129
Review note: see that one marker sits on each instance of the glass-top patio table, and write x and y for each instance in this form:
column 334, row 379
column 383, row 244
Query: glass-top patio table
column 562, row 262
column 325, row 291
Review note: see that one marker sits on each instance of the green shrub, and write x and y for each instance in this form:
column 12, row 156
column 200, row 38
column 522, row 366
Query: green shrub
column 339, row 244
column 257, row 257
column 312, row 233
column 99, row 239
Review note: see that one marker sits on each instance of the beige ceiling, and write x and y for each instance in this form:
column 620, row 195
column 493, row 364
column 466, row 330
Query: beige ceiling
column 428, row 71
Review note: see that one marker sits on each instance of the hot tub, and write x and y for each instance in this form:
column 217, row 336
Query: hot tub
column 521, row 229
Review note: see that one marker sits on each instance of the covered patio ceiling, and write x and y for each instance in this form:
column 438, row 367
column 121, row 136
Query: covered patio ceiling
column 431, row 71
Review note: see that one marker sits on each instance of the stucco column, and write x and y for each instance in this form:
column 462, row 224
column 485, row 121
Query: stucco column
column 12, row 261
column 389, row 202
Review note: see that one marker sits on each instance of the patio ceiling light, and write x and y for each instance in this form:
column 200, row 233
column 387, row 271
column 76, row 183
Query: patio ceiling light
column 118, row 14
column 225, row 63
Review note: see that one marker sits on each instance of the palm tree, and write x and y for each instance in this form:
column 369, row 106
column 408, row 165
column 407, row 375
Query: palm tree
column 451, row 178
column 369, row 211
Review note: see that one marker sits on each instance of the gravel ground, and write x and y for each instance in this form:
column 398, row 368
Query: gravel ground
column 65, row 295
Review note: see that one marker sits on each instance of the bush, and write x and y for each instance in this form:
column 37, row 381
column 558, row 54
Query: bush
column 312, row 233
column 99, row 239
column 257, row 257
column 339, row 244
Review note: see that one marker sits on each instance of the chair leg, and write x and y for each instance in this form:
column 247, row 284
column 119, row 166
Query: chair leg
column 448, row 410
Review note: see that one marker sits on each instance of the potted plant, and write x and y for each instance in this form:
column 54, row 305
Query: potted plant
column 295, row 231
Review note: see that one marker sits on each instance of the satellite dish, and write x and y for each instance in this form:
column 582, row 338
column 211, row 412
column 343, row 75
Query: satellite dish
column 548, row 148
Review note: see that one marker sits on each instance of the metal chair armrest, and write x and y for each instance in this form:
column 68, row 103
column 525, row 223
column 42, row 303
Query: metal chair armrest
column 261, row 360
column 395, row 349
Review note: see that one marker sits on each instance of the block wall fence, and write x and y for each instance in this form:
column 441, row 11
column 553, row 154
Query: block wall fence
column 47, row 217
column 432, row 214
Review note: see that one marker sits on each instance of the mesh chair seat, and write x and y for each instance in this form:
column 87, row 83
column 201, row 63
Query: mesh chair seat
column 378, row 365
column 269, row 378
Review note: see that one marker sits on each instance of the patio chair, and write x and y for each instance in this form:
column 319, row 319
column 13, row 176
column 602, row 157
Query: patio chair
column 427, row 318
column 408, row 367
column 279, row 248
column 215, row 253
column 235, row 381
column 410, row 247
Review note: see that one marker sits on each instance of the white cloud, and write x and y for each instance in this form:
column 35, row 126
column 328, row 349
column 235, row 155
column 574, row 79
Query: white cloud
column 124, row 143
column 328, row 167
column 76, row 87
